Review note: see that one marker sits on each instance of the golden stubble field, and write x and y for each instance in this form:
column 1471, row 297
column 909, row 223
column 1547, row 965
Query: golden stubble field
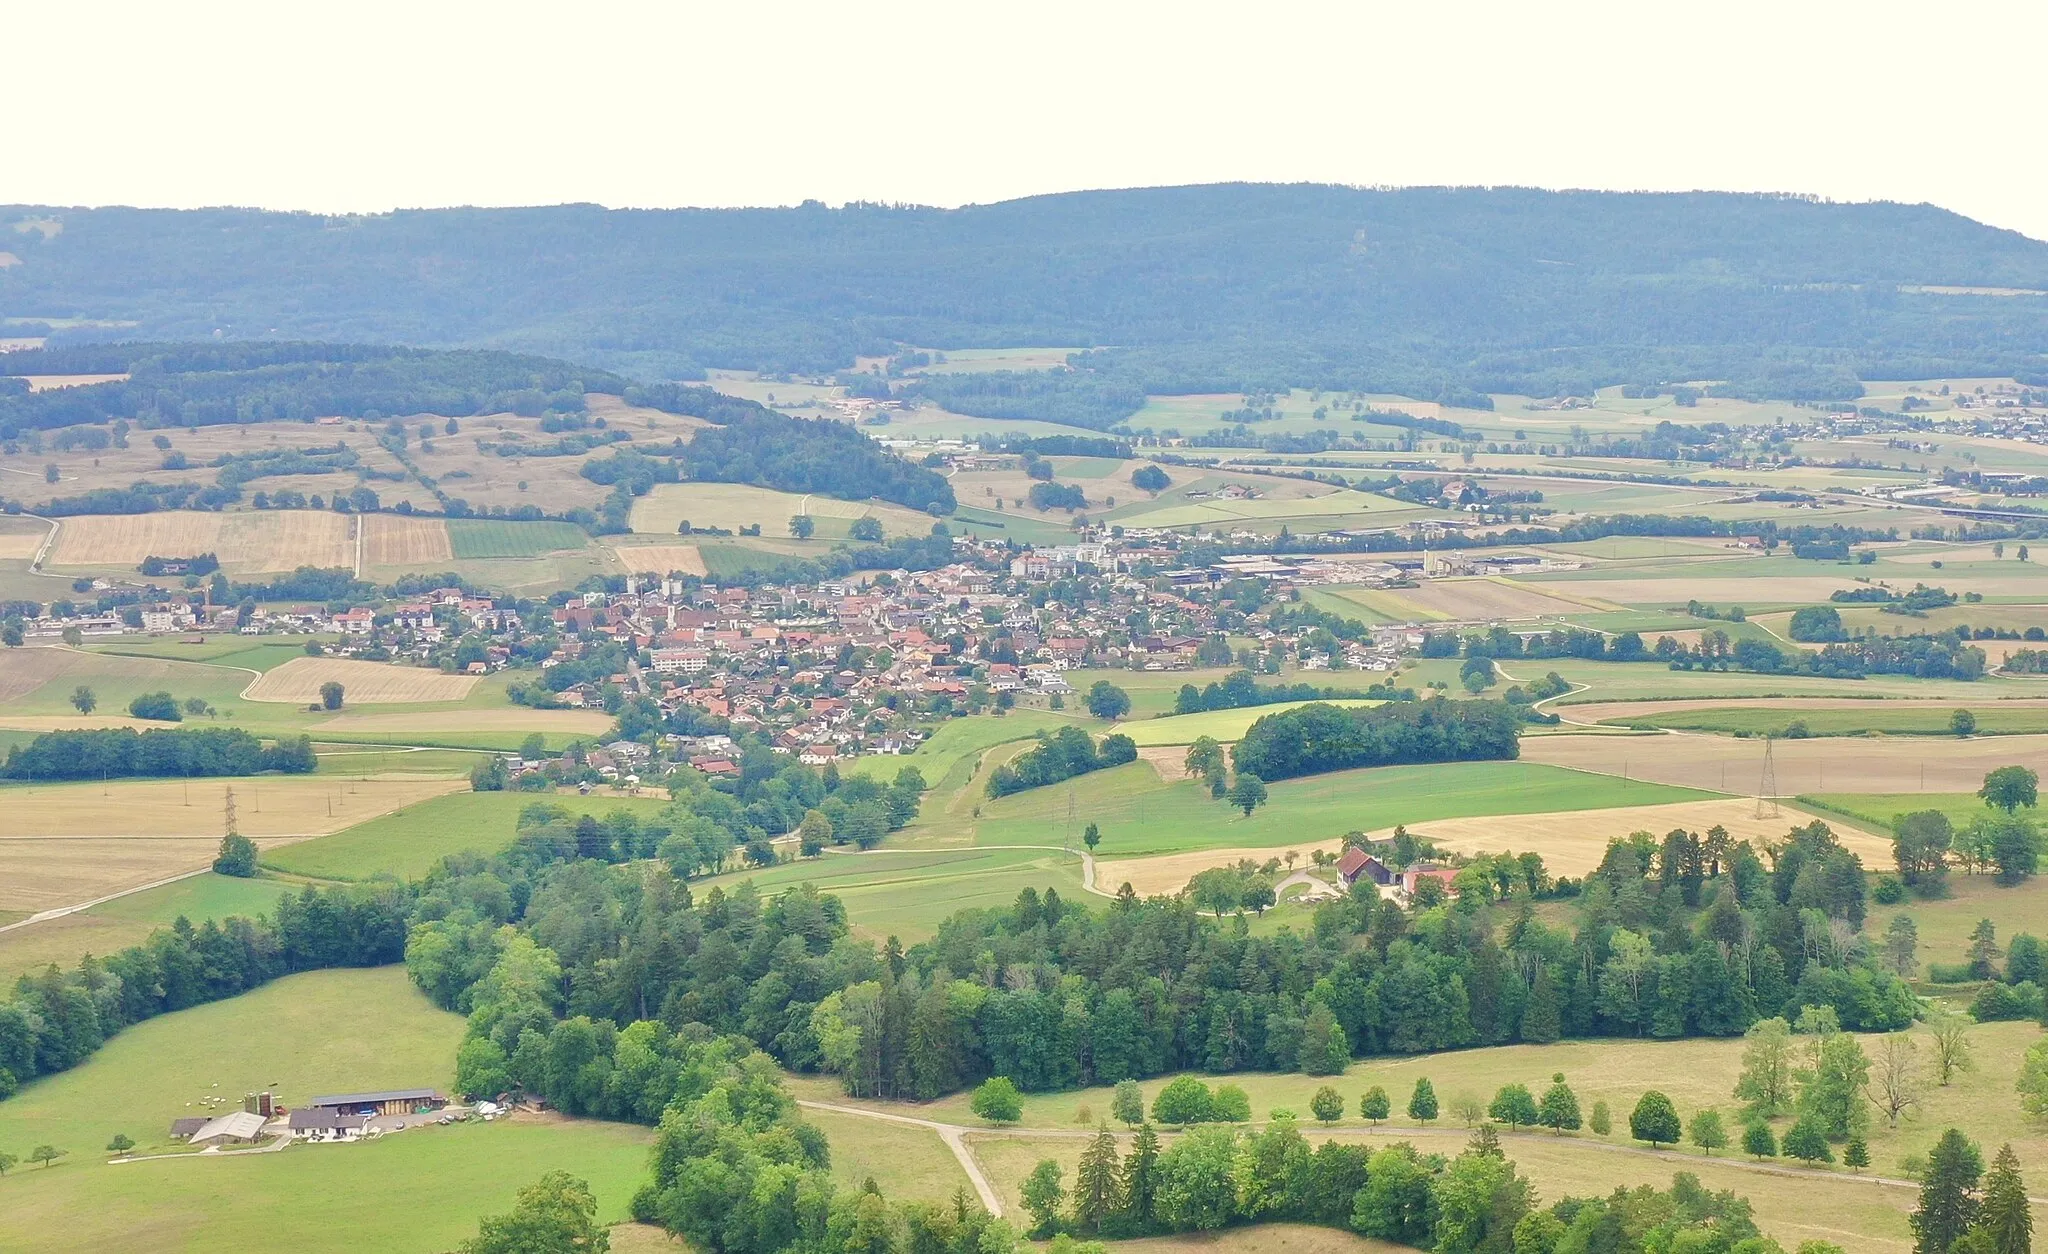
column 397, row 540
column 363, row 683
column 734, row 505
column 68, row 843
column 1823, row 764
column 659, row 559
column 256, row 542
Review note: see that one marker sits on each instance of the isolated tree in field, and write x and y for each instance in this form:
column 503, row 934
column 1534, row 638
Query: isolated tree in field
column 556, row 1214
column 46, row 1154
column 1559, row 1110
column 1150, row 479
column 1422, row 1102
column 1766, row 1081
column 1248, row 793
column 2008, row 788
column 1856, row 1154
column 1962, row 723
column 73, row 635
column 1655, row 1120
column 1983, row 952
column 1758, row 1142
column 1184, row 1101
column 330, row 695
column 1231, row 1104
column 1896, row 1087
column 1948, row 1204
column 83, row 700
column 1807, row 1141
column 7, row 1162
column 1374, row 1105
column 1600, row 1122
column 802, row 526
column 868, row 529
column 1325, row 1050
column 814, row 833
column 1091, row 836
column 1327, row 1105
column 1127, row 1103
column 1950, row 1034
column 1902, row 946
column 121, row 1144
column 1706, row 1130
column 2005, row 1215
column 1514, row 1106
column 1043, row 1194
column 998, row 1101
column 2032, row 1084
column 1467, row 1107
column 237, row 856
column 1107, row 701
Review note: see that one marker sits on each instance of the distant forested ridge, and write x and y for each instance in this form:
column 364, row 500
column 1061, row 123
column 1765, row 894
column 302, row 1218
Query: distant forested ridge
column 1422, row 291
column 199, row 385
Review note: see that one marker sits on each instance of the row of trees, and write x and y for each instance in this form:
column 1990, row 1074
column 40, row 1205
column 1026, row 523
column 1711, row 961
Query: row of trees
column 119, row 752
column 1313, row 738
column 1060, row 755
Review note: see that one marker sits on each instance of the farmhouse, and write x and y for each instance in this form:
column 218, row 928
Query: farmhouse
column 320, row 1123
column 388, row 1102
column 1357, row 862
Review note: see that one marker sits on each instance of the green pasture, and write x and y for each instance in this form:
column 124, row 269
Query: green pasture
column 908, row 1163
column 471, row 538
column 1654, row 681
column 321, row 1032
column 259, row 654
column 347, row 759
column 1883, row 717
column 1141, row 813
column 1944, row 923
column 1025, row 528
column 408, row 842
column 906, row 892
column 1349, row 602
column 1184, row 729
column 961, row 738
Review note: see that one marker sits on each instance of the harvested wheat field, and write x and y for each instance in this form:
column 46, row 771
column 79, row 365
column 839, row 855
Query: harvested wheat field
column 1573, row 843
column 395, row 540
column 68, row 843
column 1823, row 764
column 1597, row 711
column 272, row 541
column 363, row 683
column 21, row 543
column 30, row 668
column 615, row 410
column 1168, row 873
column 1487, row 598
column 660, row 559
column 54, row 382
column 457, row 722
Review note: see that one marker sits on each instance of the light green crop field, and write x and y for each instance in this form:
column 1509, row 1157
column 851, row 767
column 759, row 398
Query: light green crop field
column 471, row 538
column 959, row 739
column 356, row 759
column 1018, row 525
column 129, row 920
column 1184, row 729
column 1152, row 693
column 1651, row 681
column 407, row 843
column 1141, row 813
column 223, row 650
column 1878, row 809
column 907, row 892
column 1868, row 716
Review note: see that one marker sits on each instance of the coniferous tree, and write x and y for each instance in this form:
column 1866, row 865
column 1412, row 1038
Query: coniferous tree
column 2005, row 1216
column 1095, row 1183
column 1948, row 1203
column 1139, row 1182
column 1542, row 1017
column 1422, row 1102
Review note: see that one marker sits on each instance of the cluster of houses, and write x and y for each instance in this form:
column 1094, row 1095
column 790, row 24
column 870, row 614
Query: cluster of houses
column 336, row 1117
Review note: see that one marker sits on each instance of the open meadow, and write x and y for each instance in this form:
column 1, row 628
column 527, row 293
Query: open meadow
column 736, row 505
column 407, row 842
column 129, row 919
column 327, row 1031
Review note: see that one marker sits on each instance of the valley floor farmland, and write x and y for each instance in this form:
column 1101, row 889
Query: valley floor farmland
column 363, row 683
column 1831, row 764
column 69, row 843
column 256, row 542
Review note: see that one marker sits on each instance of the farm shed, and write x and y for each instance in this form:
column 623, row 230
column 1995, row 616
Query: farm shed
column 388, row 1102
column 240, row 1127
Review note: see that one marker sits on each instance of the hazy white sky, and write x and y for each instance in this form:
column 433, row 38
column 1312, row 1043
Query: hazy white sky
column 367, row 105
